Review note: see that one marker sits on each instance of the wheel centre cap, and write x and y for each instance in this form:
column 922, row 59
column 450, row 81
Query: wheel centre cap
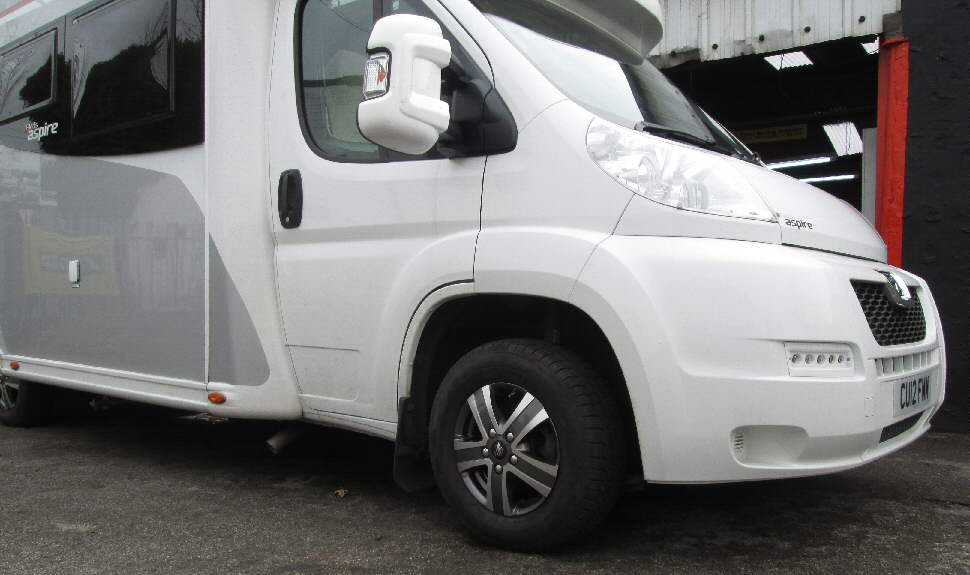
column 499, row 450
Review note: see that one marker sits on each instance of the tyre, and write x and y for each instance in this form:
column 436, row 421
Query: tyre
column 23, row 404
column 525, row 444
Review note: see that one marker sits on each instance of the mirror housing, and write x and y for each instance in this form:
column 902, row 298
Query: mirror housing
column 402, row 108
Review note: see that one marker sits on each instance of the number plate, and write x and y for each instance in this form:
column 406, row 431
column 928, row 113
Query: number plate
column 911, row 394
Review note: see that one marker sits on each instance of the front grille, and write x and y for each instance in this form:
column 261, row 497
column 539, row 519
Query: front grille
column 890, row 324
column 908, row 363
column 899, row 428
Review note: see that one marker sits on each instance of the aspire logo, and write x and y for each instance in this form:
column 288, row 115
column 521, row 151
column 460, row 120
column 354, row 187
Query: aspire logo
column 35, row 131
column 800, row 224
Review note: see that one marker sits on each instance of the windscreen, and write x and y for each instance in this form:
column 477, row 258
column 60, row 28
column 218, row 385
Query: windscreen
column 578, row 60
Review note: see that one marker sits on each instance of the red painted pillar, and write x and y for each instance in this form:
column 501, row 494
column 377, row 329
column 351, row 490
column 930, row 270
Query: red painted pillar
column 893, row 125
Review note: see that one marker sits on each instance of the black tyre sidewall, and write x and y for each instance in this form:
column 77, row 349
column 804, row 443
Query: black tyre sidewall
column 558, row 519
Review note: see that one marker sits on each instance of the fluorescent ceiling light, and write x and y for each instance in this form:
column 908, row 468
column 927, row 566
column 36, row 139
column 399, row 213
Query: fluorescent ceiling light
column 839, row 178
column 845, row 138
column 871, row 47
column 788, row 60
column 797, row 163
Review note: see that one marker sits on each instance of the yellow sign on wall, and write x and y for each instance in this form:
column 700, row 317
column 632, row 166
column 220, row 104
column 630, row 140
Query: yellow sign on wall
column 773, row 134
column 46, row 257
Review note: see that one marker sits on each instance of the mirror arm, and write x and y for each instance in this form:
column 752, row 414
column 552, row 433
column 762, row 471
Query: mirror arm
column 481, row 122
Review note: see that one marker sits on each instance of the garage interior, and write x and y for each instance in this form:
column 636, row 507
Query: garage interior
column 806, row 113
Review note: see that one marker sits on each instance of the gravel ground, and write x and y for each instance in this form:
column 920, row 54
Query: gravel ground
column 139, row 490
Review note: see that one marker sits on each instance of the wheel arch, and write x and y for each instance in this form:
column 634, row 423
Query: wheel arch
column 459, row 321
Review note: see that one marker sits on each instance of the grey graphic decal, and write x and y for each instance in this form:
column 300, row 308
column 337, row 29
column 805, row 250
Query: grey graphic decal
column 235, row 353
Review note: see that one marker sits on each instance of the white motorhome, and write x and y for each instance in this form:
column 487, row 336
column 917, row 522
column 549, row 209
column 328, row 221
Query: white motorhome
column 488, row 230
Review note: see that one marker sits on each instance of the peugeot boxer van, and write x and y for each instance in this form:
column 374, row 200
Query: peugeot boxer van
column 487, row 230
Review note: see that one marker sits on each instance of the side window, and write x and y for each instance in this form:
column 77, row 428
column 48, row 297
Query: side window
column 406, row 7
column 112, row 77
column 27, row 76
column 121, row 65
column 334, row 36
column 333, row 44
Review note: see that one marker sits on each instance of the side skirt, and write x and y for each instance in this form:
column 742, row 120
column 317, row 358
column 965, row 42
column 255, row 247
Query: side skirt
column 167, row 392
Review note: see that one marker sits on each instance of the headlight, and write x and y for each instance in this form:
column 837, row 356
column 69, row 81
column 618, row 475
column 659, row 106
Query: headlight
column 673, row 174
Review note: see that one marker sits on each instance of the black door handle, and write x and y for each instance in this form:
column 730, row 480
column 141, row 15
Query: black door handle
column 290, row 200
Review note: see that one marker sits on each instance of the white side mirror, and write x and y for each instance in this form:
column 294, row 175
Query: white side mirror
column 402, row 108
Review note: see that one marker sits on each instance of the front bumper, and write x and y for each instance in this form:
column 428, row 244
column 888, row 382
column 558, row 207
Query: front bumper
column 700, row 327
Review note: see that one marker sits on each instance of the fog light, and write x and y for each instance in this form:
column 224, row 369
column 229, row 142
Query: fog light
column 820, row 359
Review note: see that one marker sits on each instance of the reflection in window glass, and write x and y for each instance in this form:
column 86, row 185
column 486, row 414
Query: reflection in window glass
column 26, row 76
column 335, row 34
column 121, row 65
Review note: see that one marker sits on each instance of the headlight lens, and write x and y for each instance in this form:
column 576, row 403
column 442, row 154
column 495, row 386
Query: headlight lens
column 673, row 174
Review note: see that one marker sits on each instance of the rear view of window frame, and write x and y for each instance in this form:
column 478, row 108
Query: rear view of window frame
column 49, row 35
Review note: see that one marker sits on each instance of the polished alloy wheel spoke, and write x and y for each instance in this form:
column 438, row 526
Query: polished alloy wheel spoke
column 522, row 432
column 481, row 407
column 512, row 423
column 498, row 493
column 538, row 475
column 468, row 454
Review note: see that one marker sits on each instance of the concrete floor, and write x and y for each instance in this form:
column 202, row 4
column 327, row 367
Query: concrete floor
column 137, row 490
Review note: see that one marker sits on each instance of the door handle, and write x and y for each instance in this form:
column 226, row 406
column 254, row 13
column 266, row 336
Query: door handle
column 290, row 200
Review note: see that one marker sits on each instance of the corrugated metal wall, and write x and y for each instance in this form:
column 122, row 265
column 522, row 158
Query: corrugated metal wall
column 719, row 29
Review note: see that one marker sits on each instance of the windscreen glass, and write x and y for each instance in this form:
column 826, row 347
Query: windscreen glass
column 577, row 58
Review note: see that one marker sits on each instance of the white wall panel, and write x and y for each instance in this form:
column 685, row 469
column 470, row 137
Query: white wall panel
column 692, row 28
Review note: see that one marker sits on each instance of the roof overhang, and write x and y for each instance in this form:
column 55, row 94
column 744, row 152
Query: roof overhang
column 633, row 27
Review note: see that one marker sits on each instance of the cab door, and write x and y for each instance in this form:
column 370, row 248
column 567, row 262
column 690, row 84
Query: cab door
column 364, row 233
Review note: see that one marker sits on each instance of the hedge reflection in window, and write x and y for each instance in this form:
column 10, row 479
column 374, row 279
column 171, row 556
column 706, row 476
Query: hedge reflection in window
column 26, row 76
column 121, row 65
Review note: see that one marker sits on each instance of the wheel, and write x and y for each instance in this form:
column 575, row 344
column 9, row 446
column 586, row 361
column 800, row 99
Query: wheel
column 525, row 444
column 23, row 404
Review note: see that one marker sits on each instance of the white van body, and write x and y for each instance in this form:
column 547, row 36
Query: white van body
column 190, row 285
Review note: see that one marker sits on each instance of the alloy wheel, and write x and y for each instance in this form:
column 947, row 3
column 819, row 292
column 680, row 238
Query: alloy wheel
column 506, row 449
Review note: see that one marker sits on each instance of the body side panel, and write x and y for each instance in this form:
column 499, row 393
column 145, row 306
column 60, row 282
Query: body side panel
column 548, row 178
column 139, row 237
column 375, row 239
column 239, row 67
